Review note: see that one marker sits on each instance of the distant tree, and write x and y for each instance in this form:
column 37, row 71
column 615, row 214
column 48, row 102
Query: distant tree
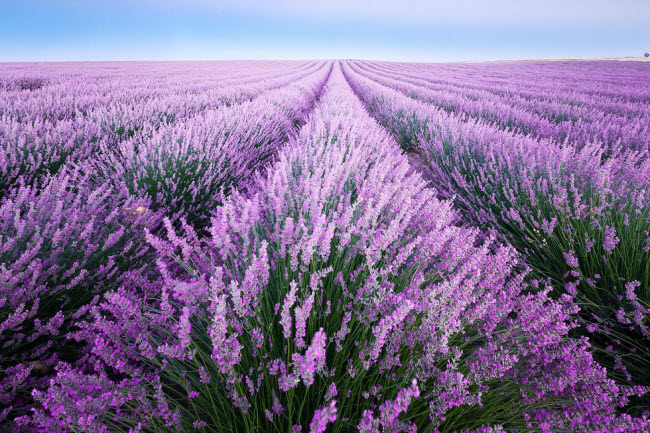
column 646, row 55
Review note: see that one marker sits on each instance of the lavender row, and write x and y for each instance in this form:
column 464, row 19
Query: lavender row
column 32, row 150
column 335, row 293
column 186, row 169
column 82, row 234
column 74, row 90
column 611, row 83
column 576, row 123
column 132, row 95
column 549, row 98
column 581, row 221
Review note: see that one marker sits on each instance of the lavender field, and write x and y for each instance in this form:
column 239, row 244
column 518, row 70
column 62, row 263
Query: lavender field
column 325, row 246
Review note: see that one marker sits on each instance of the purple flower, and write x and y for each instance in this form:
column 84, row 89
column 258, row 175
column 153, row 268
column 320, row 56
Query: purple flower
column 610, row 240
column 391, row 409
column 571, row 259
column 314, row 360
column 331, row 392
column 322, row 417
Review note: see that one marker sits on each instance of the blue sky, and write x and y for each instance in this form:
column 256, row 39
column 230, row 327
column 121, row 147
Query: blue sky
column 417, row 30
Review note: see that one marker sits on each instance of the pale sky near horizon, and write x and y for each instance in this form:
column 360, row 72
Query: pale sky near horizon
column 415, row 30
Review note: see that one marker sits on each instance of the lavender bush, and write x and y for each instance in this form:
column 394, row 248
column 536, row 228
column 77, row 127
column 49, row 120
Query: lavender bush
column 66, row 240
column 533, row 101
column 62, row 247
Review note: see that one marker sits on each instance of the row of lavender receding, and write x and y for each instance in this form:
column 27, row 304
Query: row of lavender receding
column 80, row 232
column 578, row 119
column 579, row 216
column 43, row 129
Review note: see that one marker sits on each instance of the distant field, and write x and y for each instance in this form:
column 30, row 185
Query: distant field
column 325, row 246
column 630, row 59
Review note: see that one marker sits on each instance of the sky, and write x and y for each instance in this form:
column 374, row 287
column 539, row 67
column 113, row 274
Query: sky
column 407, row 30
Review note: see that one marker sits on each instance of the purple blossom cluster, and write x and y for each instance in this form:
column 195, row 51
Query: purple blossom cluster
column 246, row 246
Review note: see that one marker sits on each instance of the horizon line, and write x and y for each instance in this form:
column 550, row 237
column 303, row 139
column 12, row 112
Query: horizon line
column 619, row 58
